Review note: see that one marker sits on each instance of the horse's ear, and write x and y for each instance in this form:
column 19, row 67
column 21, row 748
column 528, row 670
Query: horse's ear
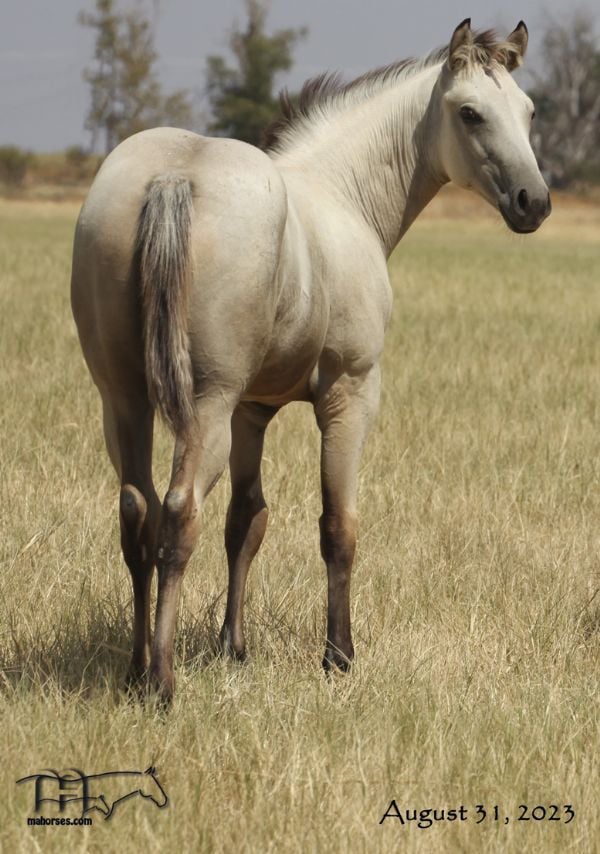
column 517, row 41
column 151, row 770
column 462, row 38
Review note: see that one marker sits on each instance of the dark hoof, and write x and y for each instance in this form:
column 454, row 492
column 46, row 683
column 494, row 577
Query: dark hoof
column 137, row 673
column 227, row 648
column 336, row 662
column 136, row 679
column 161, row 687
column 135, row 684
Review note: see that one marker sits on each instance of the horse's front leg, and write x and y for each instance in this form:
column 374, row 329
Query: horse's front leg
column 344, row 414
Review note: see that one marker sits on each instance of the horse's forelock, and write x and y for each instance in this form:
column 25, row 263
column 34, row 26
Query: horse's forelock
column 486, row 49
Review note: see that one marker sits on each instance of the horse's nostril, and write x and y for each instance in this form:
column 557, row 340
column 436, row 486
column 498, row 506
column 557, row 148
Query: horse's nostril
column 523, row 200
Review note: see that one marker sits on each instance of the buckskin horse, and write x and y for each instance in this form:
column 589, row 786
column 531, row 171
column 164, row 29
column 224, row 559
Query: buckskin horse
column 214, row 282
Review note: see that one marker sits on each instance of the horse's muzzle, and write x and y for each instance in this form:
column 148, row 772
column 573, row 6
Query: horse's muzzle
column 525, row 213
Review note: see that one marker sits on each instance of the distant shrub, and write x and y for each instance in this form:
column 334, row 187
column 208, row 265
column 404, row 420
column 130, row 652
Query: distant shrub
column 77, row 159
column 14, row 163
column 69, row 168
column 81, row 166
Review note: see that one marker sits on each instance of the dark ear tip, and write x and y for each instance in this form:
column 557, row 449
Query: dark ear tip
column 522, row 26
column 465, row 23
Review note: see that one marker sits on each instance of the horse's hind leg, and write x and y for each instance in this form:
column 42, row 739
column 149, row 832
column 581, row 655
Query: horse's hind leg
column 344, row 414
column 201, row 454
column 128, row 431
column 246, row 516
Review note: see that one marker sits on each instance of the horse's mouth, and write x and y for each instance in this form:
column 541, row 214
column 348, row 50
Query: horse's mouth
column 518, row 229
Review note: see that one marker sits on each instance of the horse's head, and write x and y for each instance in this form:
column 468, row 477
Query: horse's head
column 485, row 123
column 152, row 788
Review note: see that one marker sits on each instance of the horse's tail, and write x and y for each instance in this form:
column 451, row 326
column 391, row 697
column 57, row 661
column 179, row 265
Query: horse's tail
column 163, row 250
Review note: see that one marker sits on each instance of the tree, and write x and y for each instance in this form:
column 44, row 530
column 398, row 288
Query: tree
column 241, row 98
column 567, row 97
column 126, row 96
column 14, row 163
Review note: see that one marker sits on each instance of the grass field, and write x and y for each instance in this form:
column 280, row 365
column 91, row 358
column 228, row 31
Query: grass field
column 475, row 598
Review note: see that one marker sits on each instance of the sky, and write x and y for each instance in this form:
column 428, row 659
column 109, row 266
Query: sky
column 43, row 48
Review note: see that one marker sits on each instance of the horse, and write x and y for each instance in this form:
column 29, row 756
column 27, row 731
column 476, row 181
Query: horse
column 214, row 282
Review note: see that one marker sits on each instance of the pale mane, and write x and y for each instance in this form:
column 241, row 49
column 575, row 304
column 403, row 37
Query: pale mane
column 327, row 94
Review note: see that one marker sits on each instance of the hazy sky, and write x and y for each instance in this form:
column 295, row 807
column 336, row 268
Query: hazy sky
column 43, row 99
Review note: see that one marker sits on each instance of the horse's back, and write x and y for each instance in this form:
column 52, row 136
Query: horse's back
column 222, row 171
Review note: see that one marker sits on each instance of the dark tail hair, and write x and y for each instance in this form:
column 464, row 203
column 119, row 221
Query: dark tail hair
column 163, row 249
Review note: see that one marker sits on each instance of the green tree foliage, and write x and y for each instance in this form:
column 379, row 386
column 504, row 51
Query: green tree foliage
column 566, row 132
column 126, row 96
column 241, row 98
column 14, row 163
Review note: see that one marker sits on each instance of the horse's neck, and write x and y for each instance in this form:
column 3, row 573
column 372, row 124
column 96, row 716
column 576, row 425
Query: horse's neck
column 379, row 156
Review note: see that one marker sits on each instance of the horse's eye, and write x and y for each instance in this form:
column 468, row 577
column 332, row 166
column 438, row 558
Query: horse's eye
column 533, row 116
column 469, row 116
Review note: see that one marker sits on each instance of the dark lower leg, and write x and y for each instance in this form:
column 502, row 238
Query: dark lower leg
column 338, row 542
column 177, row 537
column 138, row 532
column 244, row 532
column 246, row 516
column 128, row 429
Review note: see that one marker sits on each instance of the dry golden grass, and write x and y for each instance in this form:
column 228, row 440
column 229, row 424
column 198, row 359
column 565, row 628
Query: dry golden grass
column 475, row 606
